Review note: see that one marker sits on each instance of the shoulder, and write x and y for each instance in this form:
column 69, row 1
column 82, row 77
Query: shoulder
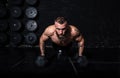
column 74, row 30
column 76, row 33
column 49, row 30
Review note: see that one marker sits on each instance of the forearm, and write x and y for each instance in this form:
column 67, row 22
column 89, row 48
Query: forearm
column 81, row 47
column 42, row 48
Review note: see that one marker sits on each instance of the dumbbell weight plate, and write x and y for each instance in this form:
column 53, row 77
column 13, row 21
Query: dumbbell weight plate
column 31, row 2
column 15, row 25
column 31, row 25
column 31, row 12
column 15, row 11
column 30, row 38
column 15, row 38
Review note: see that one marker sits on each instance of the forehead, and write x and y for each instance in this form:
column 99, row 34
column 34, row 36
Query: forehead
column 60, row 25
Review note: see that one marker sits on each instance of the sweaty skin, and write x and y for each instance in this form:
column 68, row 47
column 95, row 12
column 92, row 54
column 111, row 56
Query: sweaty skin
column 61, row 34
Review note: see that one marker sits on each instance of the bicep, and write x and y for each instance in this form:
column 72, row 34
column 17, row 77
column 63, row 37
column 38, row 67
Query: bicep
column 80, row 40
column 79, row 37
column 43, row 37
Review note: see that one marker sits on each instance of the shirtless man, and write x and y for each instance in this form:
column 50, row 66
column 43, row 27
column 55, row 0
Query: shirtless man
column 61, row 35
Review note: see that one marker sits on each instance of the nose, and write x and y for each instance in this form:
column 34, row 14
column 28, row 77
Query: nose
column 61, row 31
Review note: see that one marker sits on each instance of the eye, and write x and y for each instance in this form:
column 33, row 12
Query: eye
column 57, row 28
column 63, row 29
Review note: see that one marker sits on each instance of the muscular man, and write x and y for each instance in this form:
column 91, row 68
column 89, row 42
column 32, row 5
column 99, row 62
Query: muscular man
column 62, row 35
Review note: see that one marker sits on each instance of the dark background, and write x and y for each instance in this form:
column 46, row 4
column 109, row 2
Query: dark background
column 98, row 21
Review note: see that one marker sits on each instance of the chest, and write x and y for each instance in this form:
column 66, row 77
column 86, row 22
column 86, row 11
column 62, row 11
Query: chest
column 66, row 40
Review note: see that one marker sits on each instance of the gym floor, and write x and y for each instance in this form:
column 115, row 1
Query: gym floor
column 101, row 62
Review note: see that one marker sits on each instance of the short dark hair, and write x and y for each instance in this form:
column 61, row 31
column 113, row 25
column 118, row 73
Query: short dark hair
column 61, row 20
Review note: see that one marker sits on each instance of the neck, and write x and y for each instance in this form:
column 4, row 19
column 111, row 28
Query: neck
column 67, row 34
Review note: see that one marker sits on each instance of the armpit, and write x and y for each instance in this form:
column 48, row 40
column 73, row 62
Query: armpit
column 79, row 38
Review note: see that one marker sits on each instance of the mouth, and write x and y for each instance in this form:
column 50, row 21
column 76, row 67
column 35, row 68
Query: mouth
column 61, row 37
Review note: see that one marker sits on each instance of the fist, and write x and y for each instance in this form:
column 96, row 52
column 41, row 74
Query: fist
column 82, row 61
column 41, row 61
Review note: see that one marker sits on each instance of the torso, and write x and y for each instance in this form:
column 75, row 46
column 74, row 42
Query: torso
column 68, row 38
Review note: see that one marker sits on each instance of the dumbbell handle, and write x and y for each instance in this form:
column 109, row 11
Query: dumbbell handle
column 59, row 53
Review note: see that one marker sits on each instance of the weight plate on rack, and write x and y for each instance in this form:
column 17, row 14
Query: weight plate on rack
column 15, row 25
column 31, row 25
column 30, row 38
column 15, row 38
column 31, row 2
column 15, row 11
column 31, row 12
